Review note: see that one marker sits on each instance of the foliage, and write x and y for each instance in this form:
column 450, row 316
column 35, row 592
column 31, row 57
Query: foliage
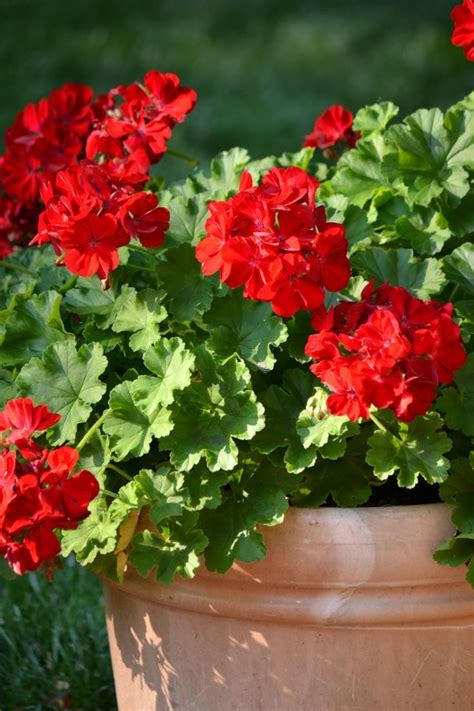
column 195, row 407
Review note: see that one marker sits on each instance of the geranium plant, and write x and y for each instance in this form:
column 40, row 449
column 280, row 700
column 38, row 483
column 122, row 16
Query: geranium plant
column 181, row 362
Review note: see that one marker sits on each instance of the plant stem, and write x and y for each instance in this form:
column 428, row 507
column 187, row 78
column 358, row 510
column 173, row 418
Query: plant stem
column 379, row 424
column 117, row 469
column 139, row 268
column 93, row 429
column 16, row 268
column 139, row 248
column 183, row 156
column 109, row 493
column 454, row 292
column 70, row 284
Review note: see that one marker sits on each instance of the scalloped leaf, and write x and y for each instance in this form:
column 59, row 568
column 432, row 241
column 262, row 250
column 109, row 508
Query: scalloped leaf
column 66, row 379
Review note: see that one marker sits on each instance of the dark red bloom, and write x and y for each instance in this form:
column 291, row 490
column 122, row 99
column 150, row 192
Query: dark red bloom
column 463, row 33
column 334, row 125
column 390, row 350
column 141, row 217
column 39, row 494
column 272, row 239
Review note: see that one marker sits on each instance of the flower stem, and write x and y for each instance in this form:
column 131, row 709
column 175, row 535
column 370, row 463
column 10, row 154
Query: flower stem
column 109, row 493
column 138, row 248
column 16, row 268
column 93, row 429
column 454, row 292
column 183, row 156
column 379, row 424
column 120, row 471
column 70, row 284
column 138, row 268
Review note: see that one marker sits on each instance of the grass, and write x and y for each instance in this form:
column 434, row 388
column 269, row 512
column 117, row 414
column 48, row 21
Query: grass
column 263, row 69
column 53, row 646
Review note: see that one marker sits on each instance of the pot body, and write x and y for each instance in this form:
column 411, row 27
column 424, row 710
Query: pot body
column 348, row 611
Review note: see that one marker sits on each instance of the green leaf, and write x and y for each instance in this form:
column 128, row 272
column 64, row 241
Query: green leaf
column 456, row 551
column 178, row 554
column 315, row 425
column 418, row 451
column 89, row 297
column 458, row 402
column 226, row 169
column 346, row 482
column 283, row 405
column 232, row 528
column 8, row 389
column 96, row 535
column 459, row 267
column 29, row 326
column 95, row 455
column 359, row 176
column 138, row 415
column 426, row 158
column 66, row 379
column 244, row 327
column 458, row 489
column 299, row 329
column 426, row 231
column 465, row 315
column 138, row 313
column 190, row 293
column 173, row 364
column 187, row 218
column 461, row 217
column 375, row 118
column 400, row 268
column 204, row 487
column 210, row 414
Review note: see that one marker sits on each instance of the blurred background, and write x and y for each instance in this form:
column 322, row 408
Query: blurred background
column 263, row 70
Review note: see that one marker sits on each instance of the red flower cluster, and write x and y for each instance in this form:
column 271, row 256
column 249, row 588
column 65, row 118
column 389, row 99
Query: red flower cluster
column 463, row 33
column 390, row 350
column 138, row 119
column 274, row 240
column 93, row 209
column 37, row 492
column 333, row 126
column 46, row 137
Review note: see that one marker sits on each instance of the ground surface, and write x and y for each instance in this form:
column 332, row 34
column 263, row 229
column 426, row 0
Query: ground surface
column 263, row 70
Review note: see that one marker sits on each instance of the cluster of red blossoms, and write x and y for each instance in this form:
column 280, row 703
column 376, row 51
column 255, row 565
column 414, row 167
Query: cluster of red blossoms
column 390, row 350
column 334, row 126
column 38, row 492
column 46, row 137
column 88, row 161
column 274, row 240
column 463, row 33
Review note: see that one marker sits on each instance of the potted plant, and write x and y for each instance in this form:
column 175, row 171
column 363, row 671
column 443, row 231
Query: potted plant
column 278, row 341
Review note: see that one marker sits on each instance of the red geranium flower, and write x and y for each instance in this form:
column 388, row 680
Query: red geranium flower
column 463, row 33
column 39, row 493
column 274, row 240
column 91, row 245
column 141, row 217
column 20, row 418
column 390, row 350
column 334, row 125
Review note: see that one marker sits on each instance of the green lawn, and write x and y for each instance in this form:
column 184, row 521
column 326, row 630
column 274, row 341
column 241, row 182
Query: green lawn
column 263, row 70
column 53, row 645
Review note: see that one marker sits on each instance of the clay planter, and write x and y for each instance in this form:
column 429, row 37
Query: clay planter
column 347, row 611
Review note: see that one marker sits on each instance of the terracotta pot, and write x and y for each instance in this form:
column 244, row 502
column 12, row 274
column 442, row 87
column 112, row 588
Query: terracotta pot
column 347, row 611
